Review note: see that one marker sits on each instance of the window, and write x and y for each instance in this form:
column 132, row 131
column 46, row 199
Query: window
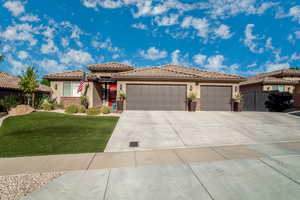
column 70, row 89
column 279, row 88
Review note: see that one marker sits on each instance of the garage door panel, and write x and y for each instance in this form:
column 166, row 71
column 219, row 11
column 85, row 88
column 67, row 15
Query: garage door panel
column 156, row 97
column 216, row 98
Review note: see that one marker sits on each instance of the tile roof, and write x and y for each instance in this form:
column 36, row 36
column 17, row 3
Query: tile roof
column 176, row 72
column 69, row 75
column 12, row 82
column 270, row 81
column 274, row 77
column 110, row 67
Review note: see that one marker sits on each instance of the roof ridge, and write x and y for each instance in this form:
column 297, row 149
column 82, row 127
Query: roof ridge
column 179, row 72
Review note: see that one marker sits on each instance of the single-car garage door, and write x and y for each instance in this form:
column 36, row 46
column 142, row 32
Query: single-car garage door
column 216, row 98
column 156, row 97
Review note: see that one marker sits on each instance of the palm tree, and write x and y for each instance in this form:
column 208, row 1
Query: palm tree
column 29, row 83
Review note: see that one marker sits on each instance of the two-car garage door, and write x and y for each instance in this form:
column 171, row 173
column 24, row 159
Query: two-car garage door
column 156, row 97
column 173, row 97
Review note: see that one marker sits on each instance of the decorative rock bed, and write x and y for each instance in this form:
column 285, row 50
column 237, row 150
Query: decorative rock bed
column 14, row 187
column 21, row 110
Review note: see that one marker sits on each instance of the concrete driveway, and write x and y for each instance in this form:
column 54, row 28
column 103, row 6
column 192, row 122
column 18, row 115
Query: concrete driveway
column 175, row 129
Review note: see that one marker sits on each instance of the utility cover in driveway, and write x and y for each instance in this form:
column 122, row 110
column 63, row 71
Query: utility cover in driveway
column 156, row 97
column 216, row 98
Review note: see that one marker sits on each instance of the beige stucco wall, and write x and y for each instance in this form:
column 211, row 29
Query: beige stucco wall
column 57, row 90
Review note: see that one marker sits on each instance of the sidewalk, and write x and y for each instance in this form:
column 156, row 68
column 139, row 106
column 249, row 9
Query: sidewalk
column 89, row 161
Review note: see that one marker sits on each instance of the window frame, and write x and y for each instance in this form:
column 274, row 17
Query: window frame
column 72, row 83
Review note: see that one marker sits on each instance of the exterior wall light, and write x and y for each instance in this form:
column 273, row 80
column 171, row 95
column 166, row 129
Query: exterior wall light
column 236, row 89
column 121, row 87
column 191, row 88
column 55, row 86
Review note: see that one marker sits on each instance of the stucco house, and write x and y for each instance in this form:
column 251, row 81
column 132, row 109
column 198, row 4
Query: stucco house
column 255, row 89
column 147, row 88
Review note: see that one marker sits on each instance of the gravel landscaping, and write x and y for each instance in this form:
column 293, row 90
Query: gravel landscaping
column 14, row 187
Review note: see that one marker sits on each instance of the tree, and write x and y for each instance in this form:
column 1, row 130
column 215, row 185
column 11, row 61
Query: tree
column 45, row 82
column 29, row 83
column 1, row 56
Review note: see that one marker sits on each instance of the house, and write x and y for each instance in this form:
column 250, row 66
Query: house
column 256, row 89
column 9, row 85
column 147, row 88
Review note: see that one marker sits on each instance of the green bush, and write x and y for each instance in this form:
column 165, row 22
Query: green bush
column 81, row 109
column 47, row 106
column 71, row 109
column 93, row 111
column 9, row 102
column 58, row 106
column 105, row 110
column 84, row 101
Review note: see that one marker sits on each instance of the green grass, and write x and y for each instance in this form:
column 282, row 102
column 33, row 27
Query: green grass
column 43, row 133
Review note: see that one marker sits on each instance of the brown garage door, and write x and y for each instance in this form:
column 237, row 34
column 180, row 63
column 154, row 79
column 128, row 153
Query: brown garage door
column 156, row 97
column 216, row 98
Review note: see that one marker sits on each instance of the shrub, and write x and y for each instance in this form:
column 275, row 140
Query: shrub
column 9, row 102
column 71, row 109
column 58, row 106
column 47, row 106
column 105, row 110
column 81, row 109
column 93, row 111
column 278, row 102
column 84, row 101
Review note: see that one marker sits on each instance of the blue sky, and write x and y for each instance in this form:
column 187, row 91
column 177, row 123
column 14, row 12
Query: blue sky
column 243, row 37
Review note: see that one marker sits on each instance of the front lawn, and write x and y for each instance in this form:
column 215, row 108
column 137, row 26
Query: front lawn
column 43, row 133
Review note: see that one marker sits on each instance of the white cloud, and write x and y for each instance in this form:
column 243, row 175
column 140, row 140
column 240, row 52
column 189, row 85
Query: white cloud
column 65, row 42
column 294, row 12
column 230, row 8
column 276, row 66
column 167, row 20
column 223, row 32
column 51, row 66
column 215, row 62
column 250, row 38
column 140, row 26
column 200, row 24
column 106, row 44
column 20, row 32
column 22, row 55
column 199, row 59
column 49, row 32
column 30, row 18
column 15, row 7
column 153, row 54
column 175, row 57
column 143, row 7
column 295, row 56
column 49, row 47
column 76, row 57
column 16, row 66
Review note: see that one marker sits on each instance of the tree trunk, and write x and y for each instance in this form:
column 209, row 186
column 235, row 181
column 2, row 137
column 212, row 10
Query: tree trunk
column 33, row 99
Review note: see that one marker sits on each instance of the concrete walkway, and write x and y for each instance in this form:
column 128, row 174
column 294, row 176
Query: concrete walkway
column 273, row 178
column 21, row 165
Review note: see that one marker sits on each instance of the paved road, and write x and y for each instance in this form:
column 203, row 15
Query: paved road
column 175, row 129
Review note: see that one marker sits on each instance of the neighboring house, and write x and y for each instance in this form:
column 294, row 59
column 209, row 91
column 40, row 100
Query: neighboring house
column 9, row 85
column 256, row 89
column 147, row 88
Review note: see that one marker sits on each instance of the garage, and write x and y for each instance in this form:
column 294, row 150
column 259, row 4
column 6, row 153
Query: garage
column 155, row 97
column 216, row 98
